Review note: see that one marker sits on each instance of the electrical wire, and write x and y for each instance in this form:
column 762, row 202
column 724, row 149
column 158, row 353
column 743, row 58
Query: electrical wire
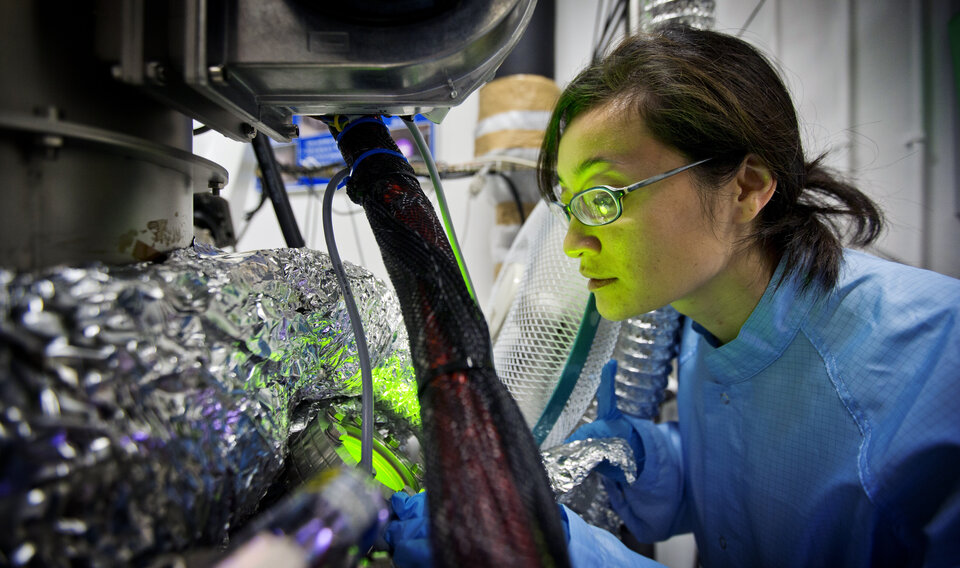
column 596, row 27
column 616, row 15
column 441, row 200
column 750, row 18
column 366, row 374
column 497, row 160
column 263, row 199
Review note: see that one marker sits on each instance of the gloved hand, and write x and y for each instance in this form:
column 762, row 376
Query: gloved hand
column 408, row 535
column 611, row 423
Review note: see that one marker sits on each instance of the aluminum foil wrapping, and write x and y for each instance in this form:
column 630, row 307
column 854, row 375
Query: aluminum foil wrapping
column 570, row 468
column 147, row 408
column 694, row 13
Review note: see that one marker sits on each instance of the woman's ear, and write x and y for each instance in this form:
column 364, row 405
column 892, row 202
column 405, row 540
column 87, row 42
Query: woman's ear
column 755, row 187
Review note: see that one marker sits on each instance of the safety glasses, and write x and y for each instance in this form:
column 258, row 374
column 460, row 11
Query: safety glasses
column 601, row 205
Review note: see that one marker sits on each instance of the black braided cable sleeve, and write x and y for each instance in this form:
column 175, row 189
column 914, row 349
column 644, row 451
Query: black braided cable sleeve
column 489, row 497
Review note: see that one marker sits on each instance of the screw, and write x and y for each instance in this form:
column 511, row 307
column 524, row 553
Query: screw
column 248, row 130
column 215, row 185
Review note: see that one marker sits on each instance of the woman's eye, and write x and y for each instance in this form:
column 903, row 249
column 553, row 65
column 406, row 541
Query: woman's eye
column 603, row 202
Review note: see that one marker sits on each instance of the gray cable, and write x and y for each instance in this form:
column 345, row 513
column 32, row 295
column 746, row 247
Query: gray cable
column 753, row 14
column 366, row 374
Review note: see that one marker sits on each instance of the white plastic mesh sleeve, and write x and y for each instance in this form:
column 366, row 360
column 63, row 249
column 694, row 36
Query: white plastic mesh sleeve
column 533, row 343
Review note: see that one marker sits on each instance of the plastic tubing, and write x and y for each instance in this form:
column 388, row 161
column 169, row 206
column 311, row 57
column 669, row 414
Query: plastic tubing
column 645, row 348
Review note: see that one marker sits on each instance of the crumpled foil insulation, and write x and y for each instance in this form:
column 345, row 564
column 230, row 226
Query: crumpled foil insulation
column 147, row 408
column 570, row 468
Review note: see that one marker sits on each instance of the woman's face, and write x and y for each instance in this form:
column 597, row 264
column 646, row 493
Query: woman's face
column 664, row 248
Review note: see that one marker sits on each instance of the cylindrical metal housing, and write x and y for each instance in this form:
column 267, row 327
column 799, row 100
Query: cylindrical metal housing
column 91, row 168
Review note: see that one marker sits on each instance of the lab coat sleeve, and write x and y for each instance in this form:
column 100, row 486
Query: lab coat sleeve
column 653, row 506
column 591, row 546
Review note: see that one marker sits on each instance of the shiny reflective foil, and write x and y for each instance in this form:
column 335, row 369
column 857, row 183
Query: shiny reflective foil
column 147, row 408
column 571, row 469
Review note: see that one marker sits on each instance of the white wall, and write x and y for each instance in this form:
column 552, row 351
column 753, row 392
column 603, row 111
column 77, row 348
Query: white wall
column 856, row 71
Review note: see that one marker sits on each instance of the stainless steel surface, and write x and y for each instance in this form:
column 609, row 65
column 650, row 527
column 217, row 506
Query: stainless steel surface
column 203, row 171
column 260, row 63
column 92, row 169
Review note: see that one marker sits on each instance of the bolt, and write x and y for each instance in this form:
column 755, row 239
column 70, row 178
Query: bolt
column 248, row 130
column 215, row 185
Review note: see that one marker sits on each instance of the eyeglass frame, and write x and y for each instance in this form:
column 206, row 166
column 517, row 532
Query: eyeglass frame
column 619, row 192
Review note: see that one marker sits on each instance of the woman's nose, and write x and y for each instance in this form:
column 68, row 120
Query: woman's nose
column 577, row 243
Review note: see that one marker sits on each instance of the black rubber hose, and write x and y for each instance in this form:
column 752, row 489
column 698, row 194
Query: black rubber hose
column 273, row 187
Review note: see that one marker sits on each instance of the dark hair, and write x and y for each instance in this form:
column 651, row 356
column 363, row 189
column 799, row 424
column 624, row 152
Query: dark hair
column 711, row 95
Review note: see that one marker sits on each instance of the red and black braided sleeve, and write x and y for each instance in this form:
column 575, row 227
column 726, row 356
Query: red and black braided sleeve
column 490, row 501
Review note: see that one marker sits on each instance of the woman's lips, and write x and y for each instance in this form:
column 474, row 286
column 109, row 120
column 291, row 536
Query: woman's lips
column 595, row 283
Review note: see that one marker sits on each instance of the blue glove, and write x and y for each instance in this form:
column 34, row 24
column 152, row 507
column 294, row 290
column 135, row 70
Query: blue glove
column 408, row 535
column 611, row 423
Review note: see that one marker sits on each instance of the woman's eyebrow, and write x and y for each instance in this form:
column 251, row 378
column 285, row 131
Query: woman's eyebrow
column 583, row 166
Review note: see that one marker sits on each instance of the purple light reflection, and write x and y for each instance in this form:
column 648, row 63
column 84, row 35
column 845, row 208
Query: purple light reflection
column 406, row 147
column 322, row 542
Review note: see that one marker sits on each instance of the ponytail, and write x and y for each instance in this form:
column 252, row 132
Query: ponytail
column 811, row 232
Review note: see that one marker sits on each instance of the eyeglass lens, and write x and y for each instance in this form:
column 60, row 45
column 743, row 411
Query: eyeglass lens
column 595, row 206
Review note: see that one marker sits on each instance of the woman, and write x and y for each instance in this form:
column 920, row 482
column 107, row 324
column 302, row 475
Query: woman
column 817, row 385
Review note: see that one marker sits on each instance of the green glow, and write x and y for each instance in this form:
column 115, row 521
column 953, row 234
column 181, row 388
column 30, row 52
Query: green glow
column 394, row 383
column 388, row 468
column 386, row 474
column 311, row 352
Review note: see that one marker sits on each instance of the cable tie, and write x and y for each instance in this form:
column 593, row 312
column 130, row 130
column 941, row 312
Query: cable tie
column 364, row 155
column 352, row 123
